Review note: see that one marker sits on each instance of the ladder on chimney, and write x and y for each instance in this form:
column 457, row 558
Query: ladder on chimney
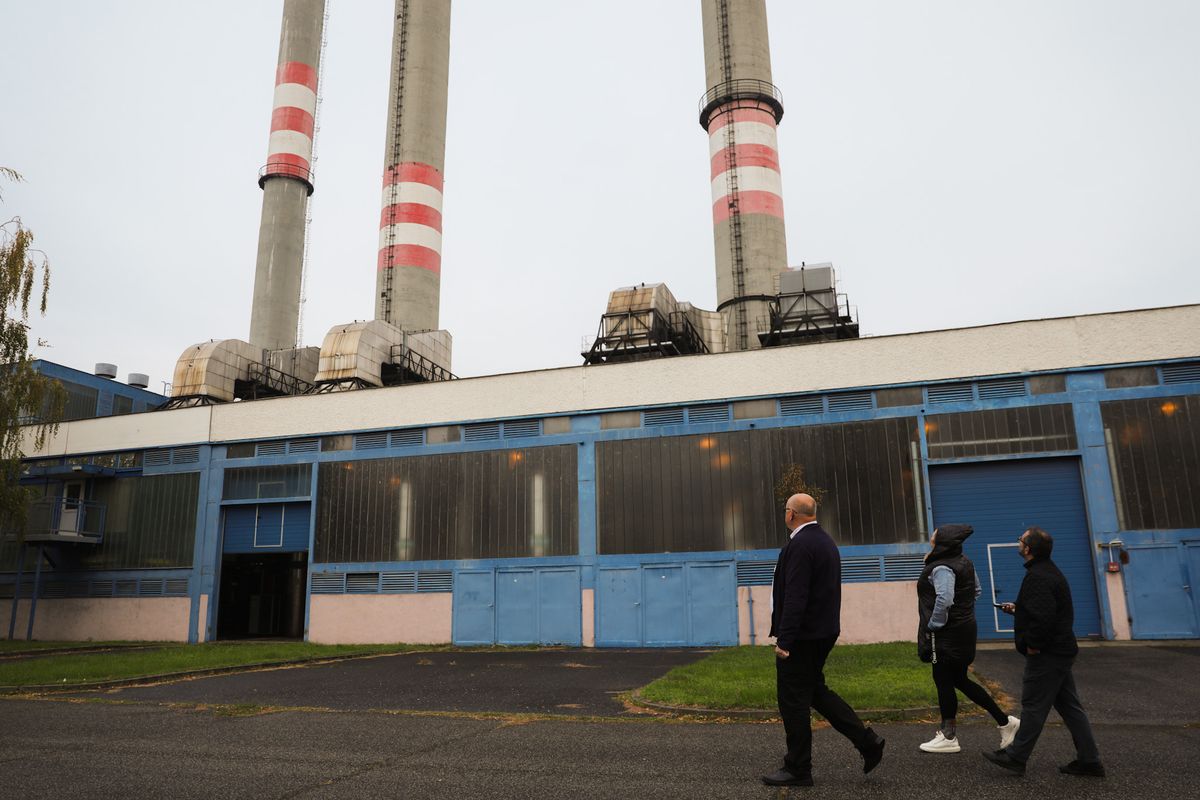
column 741, row 335
column 401, row 45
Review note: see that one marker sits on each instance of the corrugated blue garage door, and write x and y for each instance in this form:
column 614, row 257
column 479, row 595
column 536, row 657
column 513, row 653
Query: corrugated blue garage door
column 1002, row 499
column 266, row 528
column 667, row 605
column 518, row 605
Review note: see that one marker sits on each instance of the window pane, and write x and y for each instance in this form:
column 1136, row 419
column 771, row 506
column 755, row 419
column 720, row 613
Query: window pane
column 1154, row 451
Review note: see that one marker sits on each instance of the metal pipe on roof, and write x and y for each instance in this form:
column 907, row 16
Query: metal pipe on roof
column 287, row 178
column 408, row 281
column 739, row 112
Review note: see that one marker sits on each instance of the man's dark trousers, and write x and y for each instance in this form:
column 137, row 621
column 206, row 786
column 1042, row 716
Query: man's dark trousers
column 1048, row 683
column 800, row 686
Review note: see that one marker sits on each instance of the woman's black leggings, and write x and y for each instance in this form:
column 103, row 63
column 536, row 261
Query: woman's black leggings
column 949, row 675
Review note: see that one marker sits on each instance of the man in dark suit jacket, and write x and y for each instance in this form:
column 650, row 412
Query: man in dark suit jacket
column 806, row 612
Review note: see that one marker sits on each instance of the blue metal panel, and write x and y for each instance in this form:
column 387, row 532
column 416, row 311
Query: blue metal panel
column 618, row 606
column 1002, row 499
column 712, row 604
column 664, row 611
column 1156, row 590
column 1192, row 562
column 266, row 528
column 516, row 606
column 560, row 607
column 474, row 607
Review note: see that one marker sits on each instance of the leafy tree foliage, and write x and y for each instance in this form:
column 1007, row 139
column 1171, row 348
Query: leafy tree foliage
column 27, row 398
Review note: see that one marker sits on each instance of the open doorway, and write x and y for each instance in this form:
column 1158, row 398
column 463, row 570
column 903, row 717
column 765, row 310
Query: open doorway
column 262, row 595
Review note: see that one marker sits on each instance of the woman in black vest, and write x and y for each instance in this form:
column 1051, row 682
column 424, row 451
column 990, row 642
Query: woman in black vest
column 946, row 593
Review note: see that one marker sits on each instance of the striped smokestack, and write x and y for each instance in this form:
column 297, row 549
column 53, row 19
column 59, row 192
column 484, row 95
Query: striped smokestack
column 287, row 179
column 740, row 111
column 410, row 227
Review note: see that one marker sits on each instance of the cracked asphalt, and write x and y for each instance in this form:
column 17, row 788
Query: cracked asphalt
column 383, row 728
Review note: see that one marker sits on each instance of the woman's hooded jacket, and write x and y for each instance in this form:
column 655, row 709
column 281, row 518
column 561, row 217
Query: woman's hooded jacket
column 956, row 639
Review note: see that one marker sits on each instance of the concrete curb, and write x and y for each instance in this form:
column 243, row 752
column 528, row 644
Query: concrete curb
column 746, row 713
column 61, row 688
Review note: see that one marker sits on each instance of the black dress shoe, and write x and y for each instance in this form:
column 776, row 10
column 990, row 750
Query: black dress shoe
column 872, row 752
column 1093, row 769
column 1001, row 758
column 784, row 778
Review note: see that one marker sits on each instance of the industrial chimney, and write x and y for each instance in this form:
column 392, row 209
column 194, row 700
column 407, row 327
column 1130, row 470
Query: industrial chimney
column 410, row 228
column 287, row 179
column 740, row 111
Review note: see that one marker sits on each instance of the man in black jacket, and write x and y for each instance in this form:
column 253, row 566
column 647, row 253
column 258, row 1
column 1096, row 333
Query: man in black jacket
column 806, row 612
column 1043, row 629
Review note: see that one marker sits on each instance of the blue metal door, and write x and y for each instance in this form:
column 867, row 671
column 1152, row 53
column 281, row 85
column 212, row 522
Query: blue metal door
column 1001, row 499
column 560, row 609
column 474, row 607
column 618, row 606
column 712, row 604
column 516, row 606
column 665, row 609
column 1157, row 591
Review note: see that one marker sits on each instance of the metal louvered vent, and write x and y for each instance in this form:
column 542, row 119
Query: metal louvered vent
column 362, row 582
column 794, row 406
column 102, row 589
column 185, row 455
column 126, row 588
column 854, row 401
column 715, row 413
column 176, row 587
column 955, row 393
column 54, row 589
column 1014, row 387
column 755, row 573
column 304, row 446
column 481, row 433
column 1181, row 373
column 151, row 586
column 269, row 448
column 413, row 437
column 328, row 583
column 903, row 567
column 398, row 582
column 77, row 589
column 371, row 441
column 662, row 416
column 857, row 570
column 522, row 428
column 156, row 458
column 435, row 581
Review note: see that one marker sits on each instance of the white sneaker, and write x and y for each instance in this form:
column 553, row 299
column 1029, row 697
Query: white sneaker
column 1009, row 732
column 940, row 744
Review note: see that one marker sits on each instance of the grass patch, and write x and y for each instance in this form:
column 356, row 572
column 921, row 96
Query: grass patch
column 867, row 676
column 20, row 645
column 65, row 670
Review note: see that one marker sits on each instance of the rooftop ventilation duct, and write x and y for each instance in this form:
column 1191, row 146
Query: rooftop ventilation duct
column 138, row 380
column 106, row 370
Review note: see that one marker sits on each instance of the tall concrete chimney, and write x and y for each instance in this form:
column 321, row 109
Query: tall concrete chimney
column 287, row 179
column 740, row 111
column 410, row 228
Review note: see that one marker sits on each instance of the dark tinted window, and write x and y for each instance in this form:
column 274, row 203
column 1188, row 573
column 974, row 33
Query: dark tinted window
column 1005, row 431
column 1154, row 448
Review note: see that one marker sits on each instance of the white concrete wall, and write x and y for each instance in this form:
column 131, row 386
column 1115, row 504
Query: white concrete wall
column 1017, row 347
column 102, row 619
column 380, row 619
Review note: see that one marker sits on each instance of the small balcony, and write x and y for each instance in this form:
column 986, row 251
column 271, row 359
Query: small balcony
column 63, row 520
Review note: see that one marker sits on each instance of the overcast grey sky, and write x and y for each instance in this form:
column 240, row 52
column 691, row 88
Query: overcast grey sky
column 959, row 161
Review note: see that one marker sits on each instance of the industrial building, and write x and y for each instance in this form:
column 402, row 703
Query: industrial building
column 359, row 492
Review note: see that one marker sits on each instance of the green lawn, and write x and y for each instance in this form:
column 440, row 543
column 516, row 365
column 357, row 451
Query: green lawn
column 867, row 676
column 64, row 670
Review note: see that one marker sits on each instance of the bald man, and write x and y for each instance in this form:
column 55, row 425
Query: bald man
column 806, row 615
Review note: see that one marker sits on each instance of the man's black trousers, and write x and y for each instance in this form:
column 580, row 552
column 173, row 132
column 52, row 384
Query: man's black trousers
column 1048, row 683
column 800, row 685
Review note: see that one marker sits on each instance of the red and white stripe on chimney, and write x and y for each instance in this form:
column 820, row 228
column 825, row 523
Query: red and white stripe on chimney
column 741, row 138
column 410, row 227
column 292, row 121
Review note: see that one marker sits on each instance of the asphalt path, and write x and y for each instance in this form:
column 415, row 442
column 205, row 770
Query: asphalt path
column 131, row 744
